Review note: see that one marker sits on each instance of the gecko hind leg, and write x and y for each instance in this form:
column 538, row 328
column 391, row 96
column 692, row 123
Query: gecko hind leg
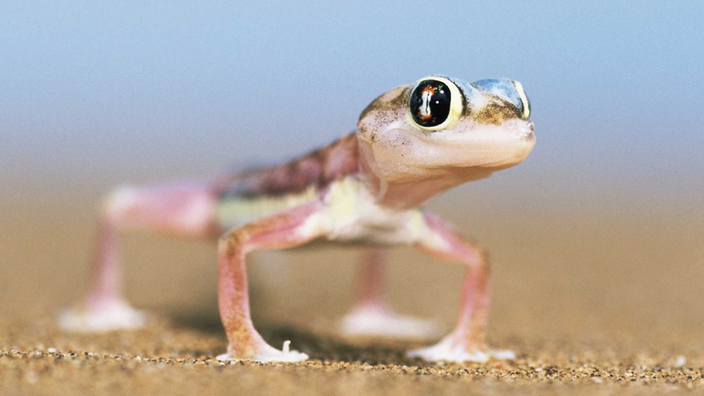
column 185, row 209
column 371, row 315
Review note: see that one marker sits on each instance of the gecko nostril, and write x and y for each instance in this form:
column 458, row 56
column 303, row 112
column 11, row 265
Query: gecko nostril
column 526, row 130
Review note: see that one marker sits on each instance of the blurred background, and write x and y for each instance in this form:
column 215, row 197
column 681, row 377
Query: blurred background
column 603, row 224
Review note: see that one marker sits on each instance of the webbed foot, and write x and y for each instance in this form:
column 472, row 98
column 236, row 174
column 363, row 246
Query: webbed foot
column 453, row 349
column 267, row 353
column 108, row 316
column 382, row 322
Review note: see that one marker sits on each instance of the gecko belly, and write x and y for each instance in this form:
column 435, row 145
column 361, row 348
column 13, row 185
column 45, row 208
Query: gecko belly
column 351, row 214
column 237, row 211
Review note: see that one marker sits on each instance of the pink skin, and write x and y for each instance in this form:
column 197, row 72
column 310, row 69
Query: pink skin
column 371, row 279
column 106, row 274
column 185, row 210
column 278, row 231
column 398, row 164
column 371, row 315
column 161, row 209
column 470, row 332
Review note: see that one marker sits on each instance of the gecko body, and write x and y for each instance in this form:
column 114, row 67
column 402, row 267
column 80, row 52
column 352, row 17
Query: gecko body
column 411, row 144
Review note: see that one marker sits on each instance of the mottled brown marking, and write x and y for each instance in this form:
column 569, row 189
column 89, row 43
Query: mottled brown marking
column 318, row 169
column 496, row 112
column 380, row 104
column 384, row 107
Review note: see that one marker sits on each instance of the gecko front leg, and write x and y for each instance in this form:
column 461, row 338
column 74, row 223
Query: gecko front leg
column 283, row 230
column 467, row 342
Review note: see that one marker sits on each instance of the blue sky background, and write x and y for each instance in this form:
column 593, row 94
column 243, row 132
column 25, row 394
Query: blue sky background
column 94, row 94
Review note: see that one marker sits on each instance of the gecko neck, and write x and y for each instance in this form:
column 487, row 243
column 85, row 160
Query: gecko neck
column 348, row 156
column 406, row 189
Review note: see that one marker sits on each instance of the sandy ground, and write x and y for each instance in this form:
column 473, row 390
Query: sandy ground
column 176, row 356
column 607, row 302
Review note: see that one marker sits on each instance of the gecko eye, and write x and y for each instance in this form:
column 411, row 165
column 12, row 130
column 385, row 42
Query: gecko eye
column 524, row 103
column 435, row 103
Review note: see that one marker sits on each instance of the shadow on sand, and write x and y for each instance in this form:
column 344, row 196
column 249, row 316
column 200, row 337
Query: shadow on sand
column 320, row 345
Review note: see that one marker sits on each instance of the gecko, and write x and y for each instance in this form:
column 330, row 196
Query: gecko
column 369, row 187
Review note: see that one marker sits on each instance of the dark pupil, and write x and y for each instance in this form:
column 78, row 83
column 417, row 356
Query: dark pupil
column 430, row 103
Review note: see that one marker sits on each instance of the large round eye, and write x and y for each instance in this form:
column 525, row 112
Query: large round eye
column 434, row 103
column 524, row 102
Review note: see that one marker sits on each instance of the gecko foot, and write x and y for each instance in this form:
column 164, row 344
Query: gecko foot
column 271, row 354
column 452, row 350
column 382, row 322
column 113, row 315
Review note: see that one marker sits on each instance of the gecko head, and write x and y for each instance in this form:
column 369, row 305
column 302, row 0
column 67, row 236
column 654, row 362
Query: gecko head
column 442, row 125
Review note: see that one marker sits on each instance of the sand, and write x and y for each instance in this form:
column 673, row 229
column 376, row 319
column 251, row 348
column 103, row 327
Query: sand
column 176, row 355
column 591, row 302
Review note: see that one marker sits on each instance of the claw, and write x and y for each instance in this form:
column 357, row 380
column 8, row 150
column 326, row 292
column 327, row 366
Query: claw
column 270, row 354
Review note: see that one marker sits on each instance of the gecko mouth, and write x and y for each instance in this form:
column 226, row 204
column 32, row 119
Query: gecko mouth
column 505, row 145
column 467, row 146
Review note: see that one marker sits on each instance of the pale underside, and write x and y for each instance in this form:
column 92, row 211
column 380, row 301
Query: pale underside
column 348, row 213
